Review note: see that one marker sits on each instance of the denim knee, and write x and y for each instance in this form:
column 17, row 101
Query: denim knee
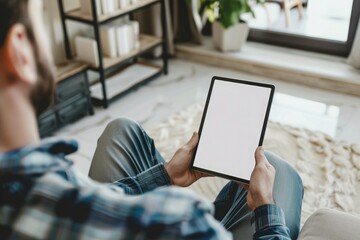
column 280, row 164
column 121, row 123
column 120, row 127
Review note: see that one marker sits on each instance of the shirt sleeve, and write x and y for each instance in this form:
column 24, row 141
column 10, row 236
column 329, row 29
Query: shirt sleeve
column 269, row 221
column 96, row 211
column 146, row 181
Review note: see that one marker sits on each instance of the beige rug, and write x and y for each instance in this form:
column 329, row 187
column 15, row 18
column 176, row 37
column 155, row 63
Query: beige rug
column 330, row 170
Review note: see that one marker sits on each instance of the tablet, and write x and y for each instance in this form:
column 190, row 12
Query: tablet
column 232, row 127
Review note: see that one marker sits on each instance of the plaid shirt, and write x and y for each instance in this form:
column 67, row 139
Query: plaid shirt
column 43, row 197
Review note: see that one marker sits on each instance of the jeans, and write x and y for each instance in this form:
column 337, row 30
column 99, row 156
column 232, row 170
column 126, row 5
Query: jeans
column 124, row 149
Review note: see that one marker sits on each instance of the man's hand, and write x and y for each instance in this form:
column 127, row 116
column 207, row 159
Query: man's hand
column 179, row 169
column 260, row 190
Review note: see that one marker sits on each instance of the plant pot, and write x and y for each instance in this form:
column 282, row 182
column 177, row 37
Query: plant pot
column 230, row 39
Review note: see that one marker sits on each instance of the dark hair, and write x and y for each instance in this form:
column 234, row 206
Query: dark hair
column 17, row 11
column 12, row 12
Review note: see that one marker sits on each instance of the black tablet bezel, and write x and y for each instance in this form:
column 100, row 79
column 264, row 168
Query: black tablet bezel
column 216, row 78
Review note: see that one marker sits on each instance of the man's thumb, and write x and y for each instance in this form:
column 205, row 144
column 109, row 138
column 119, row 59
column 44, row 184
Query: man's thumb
column 259, row 155
column 194, row 140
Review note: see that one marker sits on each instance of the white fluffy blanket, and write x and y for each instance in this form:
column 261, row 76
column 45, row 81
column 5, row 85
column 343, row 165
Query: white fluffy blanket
column 330, row 170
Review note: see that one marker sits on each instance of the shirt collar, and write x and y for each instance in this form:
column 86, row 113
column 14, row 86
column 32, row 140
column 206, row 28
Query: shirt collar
column 47, row 156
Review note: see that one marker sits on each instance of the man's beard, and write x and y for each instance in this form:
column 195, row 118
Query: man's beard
column 41, row 95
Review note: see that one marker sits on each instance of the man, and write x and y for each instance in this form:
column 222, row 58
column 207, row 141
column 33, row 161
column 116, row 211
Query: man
column 43, row 197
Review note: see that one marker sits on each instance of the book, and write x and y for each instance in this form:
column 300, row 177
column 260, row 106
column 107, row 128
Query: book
column 130, row 36
column 116, row 5
column 98, row 7
column 86, row 49
column 122, row 40
column 135, row 26
column 123, row 3
column 108, row 6
column 108, row 41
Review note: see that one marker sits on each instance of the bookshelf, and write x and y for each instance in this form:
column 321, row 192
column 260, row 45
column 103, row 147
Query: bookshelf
column 77, row 15
column 147, row 44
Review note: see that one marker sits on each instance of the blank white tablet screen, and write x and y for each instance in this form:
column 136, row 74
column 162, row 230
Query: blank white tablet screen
column 232, row 128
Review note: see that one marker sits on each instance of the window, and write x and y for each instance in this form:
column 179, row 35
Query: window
column 326, row 26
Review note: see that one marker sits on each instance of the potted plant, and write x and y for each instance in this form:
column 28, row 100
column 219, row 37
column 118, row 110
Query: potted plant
column 229, row 30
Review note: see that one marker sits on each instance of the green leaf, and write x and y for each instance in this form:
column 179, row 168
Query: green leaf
column 210, row 15
column 230, row 11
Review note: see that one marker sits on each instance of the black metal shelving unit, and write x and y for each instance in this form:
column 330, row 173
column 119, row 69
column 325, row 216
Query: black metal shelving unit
column 147, row 43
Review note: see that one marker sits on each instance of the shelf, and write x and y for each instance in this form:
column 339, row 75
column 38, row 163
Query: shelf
column 147, row 42
column 108, row 65
column 77, row 15
column 125, row 80
column 67, row 69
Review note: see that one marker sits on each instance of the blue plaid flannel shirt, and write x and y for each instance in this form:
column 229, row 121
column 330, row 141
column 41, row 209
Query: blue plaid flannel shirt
column 43, row 197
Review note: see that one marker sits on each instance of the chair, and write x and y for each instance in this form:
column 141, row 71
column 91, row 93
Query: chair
column 287, row 5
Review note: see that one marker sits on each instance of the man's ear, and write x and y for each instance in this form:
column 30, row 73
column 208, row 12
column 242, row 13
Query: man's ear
column 19, row 57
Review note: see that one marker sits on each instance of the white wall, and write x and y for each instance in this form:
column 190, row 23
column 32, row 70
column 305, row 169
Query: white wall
column 54, row 28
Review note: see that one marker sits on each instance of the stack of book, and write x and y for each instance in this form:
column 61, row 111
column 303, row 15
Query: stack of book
column 119, row 39
column 104, row 7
